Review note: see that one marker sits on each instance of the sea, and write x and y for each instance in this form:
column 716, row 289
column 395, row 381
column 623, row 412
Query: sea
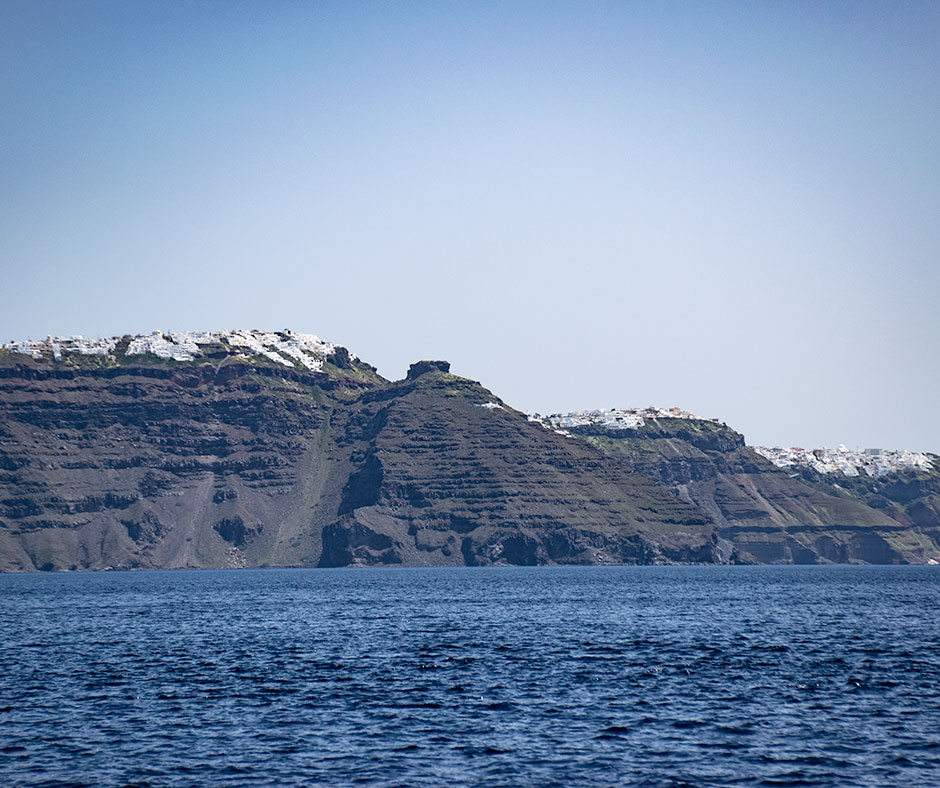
column 545, row 676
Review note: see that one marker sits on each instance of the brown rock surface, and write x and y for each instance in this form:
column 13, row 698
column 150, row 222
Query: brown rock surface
column 227, row 463
column 775, row 516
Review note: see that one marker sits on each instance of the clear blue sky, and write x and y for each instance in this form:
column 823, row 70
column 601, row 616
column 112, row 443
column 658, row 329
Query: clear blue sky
column 731, row 207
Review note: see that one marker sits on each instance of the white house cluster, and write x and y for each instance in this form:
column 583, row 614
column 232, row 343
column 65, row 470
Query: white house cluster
column 283, row 347
column 874, row 462
column 613, row 419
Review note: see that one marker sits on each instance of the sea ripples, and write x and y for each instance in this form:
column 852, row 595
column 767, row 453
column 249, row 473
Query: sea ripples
column 649, row 676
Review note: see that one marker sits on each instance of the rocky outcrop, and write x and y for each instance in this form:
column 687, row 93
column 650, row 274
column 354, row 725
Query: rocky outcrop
column 419, row 368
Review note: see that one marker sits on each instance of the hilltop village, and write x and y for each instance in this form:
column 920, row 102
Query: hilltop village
column 613, row 419
column 873, row 462
column 282, row 347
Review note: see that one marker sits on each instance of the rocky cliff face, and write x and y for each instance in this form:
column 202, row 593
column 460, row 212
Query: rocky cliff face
column 229, row 462
column 251, row 449
column 215, row 464
column 774, row 516
column 444, row 473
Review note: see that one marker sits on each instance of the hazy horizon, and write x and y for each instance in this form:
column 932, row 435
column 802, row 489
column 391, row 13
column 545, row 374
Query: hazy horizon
column 728, row 207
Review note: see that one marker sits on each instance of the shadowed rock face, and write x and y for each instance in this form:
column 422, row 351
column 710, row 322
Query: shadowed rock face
column 774, row 516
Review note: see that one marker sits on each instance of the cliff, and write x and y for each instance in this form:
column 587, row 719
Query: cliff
column 232, row 459
column 442, row 472
column 772, row 515
column 252, row 449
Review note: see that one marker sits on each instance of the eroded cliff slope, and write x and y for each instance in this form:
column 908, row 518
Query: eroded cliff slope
column 230, row 459
column 135, row 464
column 445, row 473
column 249, row 449
column 772, row 515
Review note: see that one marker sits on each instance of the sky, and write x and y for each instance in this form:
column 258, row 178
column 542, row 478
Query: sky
column 733, row 207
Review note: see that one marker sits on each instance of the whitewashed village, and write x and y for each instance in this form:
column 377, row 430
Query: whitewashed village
column 850, row 462
column 290, row 349
column 282, row 347
column 873, row 462
column 613, row 419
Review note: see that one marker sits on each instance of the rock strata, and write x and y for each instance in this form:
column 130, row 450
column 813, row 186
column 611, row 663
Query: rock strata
column 110, row 461
column 253, row 449
column 771, row 515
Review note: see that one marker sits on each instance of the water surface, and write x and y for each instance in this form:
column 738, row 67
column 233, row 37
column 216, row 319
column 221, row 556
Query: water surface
column 651, row 676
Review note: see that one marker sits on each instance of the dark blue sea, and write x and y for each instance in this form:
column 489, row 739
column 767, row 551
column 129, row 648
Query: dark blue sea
column 646, row 676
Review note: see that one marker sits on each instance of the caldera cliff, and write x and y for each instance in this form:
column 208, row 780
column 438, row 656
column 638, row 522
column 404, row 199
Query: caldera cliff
column 266, row 449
